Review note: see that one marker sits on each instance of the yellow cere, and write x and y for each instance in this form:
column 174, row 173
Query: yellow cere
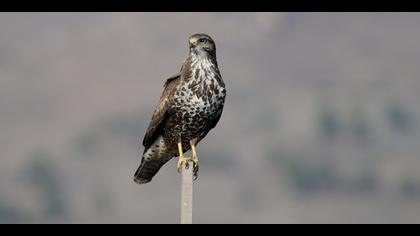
column 193, row 41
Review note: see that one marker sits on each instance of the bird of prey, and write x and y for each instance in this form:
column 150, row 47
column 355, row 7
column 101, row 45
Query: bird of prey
column 190, row 106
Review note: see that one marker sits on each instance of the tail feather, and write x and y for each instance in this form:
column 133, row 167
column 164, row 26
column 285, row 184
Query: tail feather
column 147, row 170
column 154, row 157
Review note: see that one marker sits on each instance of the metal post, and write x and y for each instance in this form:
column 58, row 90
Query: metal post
column 186, row 193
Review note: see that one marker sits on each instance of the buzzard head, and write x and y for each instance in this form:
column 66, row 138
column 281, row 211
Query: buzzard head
column 202, row 44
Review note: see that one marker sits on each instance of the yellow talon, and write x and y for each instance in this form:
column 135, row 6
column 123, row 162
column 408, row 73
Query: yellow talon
column 182, row 160
column 185, row 160
column 194, row 158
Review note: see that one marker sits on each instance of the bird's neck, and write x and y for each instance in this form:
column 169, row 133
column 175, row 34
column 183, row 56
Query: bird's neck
column 202, row 60
column 202, row 55
column 200, row 68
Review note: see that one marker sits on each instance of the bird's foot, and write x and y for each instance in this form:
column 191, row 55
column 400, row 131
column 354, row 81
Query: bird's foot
column 183, row 161
column 196, row 166
column 194, row 158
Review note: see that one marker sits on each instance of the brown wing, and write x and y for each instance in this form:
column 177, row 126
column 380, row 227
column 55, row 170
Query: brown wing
column 161, row 111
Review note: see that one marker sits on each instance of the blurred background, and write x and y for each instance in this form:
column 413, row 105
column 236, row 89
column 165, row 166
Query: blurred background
column 321, row 121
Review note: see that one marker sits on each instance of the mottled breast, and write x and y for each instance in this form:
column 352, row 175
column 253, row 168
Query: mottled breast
column 200, row 97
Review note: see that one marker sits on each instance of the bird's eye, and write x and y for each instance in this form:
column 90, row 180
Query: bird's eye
column 203, row 40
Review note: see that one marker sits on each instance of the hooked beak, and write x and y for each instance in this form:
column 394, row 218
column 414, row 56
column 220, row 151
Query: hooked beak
column 193, row 42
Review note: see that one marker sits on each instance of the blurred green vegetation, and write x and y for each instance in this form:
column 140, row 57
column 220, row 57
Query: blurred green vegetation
column 316, row 175
column 126, row 127
column 360, row 129
column 329, row 124
column 42, row 175
column 11, row 215
column 410, row 187
column 399, row 118
column 307, row 176
column 216, row 160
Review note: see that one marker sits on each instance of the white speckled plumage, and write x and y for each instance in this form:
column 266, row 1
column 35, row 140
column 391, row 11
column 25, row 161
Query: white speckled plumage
column 190, row 106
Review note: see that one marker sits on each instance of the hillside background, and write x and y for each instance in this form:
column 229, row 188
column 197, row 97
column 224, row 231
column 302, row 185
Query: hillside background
column 321, row 123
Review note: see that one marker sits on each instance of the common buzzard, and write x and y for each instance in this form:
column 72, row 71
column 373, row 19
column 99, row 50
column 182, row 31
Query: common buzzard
column 190, row 106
